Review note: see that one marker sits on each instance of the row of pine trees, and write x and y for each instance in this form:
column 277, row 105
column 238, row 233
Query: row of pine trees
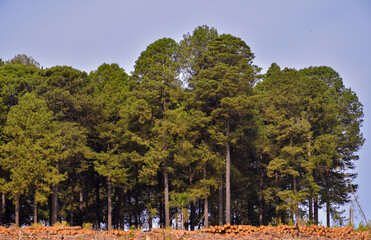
column 195, row 136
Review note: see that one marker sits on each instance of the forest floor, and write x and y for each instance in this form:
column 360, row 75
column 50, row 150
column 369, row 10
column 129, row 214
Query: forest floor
column 219, row 233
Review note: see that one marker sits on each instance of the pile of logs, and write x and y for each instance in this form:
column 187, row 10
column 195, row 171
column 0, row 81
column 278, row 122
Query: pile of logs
column 284, row 230
column 58, row 232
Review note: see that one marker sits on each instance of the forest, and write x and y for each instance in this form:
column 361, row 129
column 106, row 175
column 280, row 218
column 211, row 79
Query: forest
column 195, row 136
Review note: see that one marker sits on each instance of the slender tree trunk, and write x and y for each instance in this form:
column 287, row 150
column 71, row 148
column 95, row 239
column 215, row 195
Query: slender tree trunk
column 206, row 203
column 161, row 213
column 97, row 210
column 81, row 198
column 118, row 210
column 16, row 210
column 109, row 198
column 192, row 217
column 34, row 210
column 228, row 177
column 3, row 207
column 315, row 201
column 295, row 188
column 166, row 188
column 55, row 204
column 328, row 213
column 315, row 212
column 193, row 207
column 220, row 203
column 71, row 205
column 310, row 200
column 137, row 213
column 261, row 183
column 277, row 199
column 296, row 204
column 182, row 218
column 166, row 176
column 80, row 220
column 55, row 189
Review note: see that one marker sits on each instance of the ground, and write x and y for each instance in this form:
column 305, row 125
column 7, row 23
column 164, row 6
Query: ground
column 219, row 233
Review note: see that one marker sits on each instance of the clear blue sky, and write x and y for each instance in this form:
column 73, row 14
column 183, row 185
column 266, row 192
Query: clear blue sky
column 86, row 33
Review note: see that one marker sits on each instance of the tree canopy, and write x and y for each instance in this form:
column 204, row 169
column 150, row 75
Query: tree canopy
column 195, row 136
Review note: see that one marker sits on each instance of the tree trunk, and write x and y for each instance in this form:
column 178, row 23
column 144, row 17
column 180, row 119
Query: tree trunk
column 228, row 179
column 118, row 210
column 136, row 209
column 315, row 212
column 71, row 205
column 161, row 213
column 3, row 207
column 54, row 217
column 97, row 210
column 311, row 194
column 55, row 204
column 16, row 210
column 109, row 198
column 166, row 188
column 35, row 210
column 261, row 183
column 310, row 200
column 220, row 203
column 192, row 217
column 296, row 204
column 276, row 185
column 206, row 203
column 315, row 201
column 81, row 199
column 328, row 213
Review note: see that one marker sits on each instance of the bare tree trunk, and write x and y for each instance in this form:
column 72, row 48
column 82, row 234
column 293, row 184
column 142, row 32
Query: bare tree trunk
column 296, row 204
column 166, row 186
column 136, row 209
column 34, row 210
column 109, row 198
column 54, row 217
column 310, row 200
column 16, row 210
column 97, row 210
column 315, row 201
column 71, row 205
column 55, row 204
column 3, row 207
column 277, row 199
column 311, row 193
column 315, row 212
column 328, row 213
column 228, row 178
column 206, row 202
column 261, row 183
column 81, row 199
column 220, row 203
column 118, row 211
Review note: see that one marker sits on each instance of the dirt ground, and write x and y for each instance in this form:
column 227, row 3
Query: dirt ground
column 266, row 233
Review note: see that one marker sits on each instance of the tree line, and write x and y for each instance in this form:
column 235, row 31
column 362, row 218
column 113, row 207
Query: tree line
column 195, row 136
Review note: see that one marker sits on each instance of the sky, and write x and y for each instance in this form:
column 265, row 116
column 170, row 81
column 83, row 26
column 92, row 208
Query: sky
column 87, row 33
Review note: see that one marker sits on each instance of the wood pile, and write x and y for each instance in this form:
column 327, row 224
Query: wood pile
column 62, row 232
column 215, row 232
column 285, row 230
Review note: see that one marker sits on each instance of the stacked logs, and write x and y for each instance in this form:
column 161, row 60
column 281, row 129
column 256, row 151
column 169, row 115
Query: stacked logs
column 285, row 230
column 58, row 232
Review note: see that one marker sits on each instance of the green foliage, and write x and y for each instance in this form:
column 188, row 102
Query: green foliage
column 23, row 59
column 36, row 225
column 87, row 226
column 62, row 224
